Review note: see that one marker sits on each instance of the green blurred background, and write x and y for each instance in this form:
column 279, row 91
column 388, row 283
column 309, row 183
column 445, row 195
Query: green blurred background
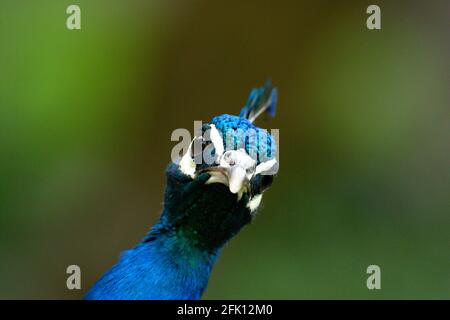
column 86, row 118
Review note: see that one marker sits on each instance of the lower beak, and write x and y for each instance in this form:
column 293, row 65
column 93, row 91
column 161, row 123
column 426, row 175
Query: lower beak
column 235, row 178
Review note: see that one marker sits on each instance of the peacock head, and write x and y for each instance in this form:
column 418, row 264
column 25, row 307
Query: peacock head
column 217, row 186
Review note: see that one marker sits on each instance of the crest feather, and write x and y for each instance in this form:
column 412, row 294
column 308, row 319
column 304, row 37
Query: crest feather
column 260, row 100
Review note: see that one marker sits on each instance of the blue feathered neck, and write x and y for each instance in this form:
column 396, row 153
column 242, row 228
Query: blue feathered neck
column 165, row 265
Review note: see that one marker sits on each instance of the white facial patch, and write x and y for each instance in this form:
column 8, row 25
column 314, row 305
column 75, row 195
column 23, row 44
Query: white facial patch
column 254, row 202
column 269, row 167
column 217, row 141
column 187, row 164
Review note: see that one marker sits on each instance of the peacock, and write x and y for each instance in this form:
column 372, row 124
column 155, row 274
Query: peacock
column 210, row 194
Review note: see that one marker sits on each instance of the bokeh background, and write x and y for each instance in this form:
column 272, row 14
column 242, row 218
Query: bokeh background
column 86, row 118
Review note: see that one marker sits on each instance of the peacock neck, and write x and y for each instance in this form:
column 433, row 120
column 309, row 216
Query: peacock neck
column 176, row 261
column 165, row 265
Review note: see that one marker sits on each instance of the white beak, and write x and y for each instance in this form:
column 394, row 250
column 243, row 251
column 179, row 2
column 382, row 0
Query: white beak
column 237, row 178
column 239, row 167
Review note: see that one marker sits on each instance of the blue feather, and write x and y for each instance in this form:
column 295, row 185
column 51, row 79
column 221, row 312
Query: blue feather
column 260, row 100
column 272, row 104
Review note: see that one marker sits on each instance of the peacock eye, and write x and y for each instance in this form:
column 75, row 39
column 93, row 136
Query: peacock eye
column 266, row 182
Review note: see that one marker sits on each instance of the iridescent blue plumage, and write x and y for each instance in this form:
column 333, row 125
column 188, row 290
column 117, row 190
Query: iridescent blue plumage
column 262, row 99
column 200, row 214
column 239, row 132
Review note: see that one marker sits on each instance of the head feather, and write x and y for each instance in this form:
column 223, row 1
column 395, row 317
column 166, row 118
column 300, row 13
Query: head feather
column 260, row 100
